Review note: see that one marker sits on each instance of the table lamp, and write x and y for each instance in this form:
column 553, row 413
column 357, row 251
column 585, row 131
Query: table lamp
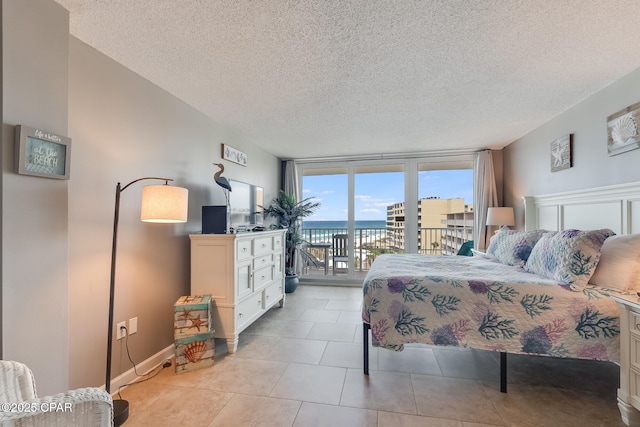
column 500, row 217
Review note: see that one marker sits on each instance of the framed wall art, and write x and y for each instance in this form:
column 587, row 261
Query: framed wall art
column 561, row 153
column 622, row 130
column 233, row 155
column 42, row 153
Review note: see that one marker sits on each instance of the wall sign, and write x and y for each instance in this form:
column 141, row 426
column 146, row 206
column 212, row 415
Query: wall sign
column 42, row 153
column 233, row 155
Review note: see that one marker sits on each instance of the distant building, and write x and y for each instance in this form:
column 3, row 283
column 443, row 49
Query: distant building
column 433, row 222
column 395, row 226
column 458, row 229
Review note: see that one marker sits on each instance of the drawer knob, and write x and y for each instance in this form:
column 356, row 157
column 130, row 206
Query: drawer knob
column 244, row 250
column 239, row 314
column 259, row 302
column 264, row 245
column 638, row 326
column 262, row 277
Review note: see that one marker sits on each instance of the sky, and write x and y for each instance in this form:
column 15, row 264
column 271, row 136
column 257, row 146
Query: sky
column 375, row 191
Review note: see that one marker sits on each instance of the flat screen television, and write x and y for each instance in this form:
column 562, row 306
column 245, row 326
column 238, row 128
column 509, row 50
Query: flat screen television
column 245, row 201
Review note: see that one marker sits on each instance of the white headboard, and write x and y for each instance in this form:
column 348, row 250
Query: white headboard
column 616, row 207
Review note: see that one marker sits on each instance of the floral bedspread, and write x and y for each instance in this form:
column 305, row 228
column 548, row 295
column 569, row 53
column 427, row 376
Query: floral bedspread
column 479, row 303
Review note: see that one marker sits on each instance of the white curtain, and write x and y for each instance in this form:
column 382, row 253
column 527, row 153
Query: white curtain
column 290, row 185
column 484, row 198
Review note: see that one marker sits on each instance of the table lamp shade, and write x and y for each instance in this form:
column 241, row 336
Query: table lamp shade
column 500, row 216
column 164, row 203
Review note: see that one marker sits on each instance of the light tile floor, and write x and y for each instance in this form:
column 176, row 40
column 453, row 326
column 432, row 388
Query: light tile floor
column 302, row 366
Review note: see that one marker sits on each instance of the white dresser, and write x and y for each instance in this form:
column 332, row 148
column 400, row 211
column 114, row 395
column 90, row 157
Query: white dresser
column 244, row 273
column 629, row 391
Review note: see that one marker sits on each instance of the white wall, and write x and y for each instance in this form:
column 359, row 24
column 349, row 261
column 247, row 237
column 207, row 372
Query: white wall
column 34, row 214
column 57, row 234
column 527, row 160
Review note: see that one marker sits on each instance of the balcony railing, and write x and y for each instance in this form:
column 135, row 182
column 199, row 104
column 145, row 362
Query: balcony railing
column 443, row 241
column 371, row 242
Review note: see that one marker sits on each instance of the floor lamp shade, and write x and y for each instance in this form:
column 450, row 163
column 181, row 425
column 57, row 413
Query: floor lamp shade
column 164, row 203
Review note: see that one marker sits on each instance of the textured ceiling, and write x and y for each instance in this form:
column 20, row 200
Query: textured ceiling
column 317, row 78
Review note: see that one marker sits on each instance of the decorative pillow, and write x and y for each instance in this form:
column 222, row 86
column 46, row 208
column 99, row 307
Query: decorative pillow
column 512, row 247
column 619, row 265
column 569, row 257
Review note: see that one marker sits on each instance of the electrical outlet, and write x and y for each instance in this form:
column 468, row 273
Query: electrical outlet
column 121, row 330
column 133, row 325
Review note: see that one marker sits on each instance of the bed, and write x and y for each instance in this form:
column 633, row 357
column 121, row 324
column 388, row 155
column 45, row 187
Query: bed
column 507, row 301
column 481, row 303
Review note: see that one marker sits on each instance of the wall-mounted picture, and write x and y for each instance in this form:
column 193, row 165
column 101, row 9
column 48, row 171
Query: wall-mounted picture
column 233, row 155
column 42, row 153
column 561, row 153
column 622, row 130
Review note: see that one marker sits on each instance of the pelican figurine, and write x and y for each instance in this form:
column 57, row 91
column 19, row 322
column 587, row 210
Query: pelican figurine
column 221, row 180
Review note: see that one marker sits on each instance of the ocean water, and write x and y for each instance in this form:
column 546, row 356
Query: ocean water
column 323, row 231
column 343, row 224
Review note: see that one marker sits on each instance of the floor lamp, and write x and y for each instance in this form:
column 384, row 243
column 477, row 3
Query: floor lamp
column 160, row 203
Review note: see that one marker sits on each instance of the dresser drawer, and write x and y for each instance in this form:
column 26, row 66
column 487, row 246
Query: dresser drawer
column 244, row 279
column 634, row 323
column 272, row 293
column 634, row 387
column 277, row 266
column 634, row 348
column 262, row 245
column 278, row 243
column 634, row 339
column 248, row 308
column 243, row 250
column 262, row 277
column 263, row 261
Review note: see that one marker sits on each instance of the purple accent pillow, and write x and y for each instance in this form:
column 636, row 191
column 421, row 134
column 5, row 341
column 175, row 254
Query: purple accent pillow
column 512, row 247
column 569, row 257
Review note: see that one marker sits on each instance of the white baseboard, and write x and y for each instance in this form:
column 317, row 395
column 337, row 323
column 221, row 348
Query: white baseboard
column 143, row 367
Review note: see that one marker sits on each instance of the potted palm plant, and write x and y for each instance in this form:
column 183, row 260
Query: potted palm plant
column 288, row 215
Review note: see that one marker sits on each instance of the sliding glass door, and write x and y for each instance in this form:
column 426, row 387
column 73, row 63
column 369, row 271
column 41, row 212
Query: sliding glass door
column 445, row 206
column 329, row 187
column 383, row 206
column 377, row 188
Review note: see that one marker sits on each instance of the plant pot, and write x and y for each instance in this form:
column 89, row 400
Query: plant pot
column 291, row 283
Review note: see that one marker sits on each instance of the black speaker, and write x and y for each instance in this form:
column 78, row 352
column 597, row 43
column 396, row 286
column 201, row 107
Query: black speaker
column 214, row 219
